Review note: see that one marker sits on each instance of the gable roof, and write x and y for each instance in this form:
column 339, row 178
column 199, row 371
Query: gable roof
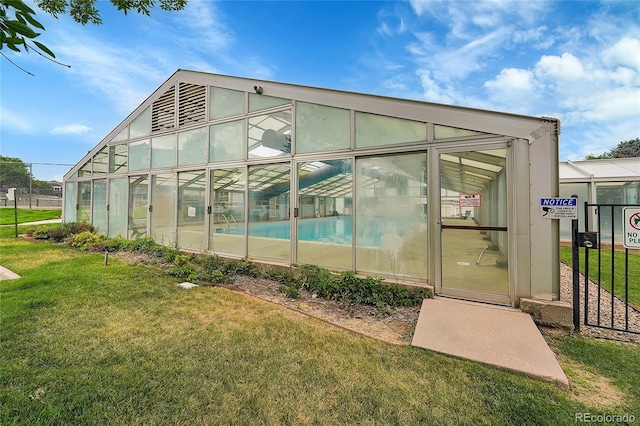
column 195, row 83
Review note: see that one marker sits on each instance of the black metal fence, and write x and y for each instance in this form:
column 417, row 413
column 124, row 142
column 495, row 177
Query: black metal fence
column 610, row 281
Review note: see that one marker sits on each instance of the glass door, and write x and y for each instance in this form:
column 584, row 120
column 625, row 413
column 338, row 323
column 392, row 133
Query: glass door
column 473, row 225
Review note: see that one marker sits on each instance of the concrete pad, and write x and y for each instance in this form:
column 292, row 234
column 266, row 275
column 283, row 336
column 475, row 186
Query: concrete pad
column 503, row 337
column 6, row 274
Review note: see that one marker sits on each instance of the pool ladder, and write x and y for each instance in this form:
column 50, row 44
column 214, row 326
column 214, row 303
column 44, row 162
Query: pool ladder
column 226, row 219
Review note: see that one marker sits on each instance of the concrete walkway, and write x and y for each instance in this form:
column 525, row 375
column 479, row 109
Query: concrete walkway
column 39, row 222
column 503, row 337
column 6, row 274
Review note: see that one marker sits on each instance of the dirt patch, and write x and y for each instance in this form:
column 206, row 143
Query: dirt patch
column 591, row 388
column 395, row 325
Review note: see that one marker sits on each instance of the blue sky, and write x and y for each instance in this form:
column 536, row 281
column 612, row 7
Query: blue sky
column 577, row 61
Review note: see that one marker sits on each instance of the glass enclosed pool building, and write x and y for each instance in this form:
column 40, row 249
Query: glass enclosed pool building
column 414, row 192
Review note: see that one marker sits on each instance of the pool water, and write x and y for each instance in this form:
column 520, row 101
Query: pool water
column 334, row 230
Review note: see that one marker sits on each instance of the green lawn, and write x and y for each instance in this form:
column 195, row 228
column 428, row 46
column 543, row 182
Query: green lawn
column 87, row 344
column 7, row 215
column 10, row 231
column 606, row 270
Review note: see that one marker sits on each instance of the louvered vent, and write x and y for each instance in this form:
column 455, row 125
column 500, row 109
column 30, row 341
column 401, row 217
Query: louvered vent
column 191, row 105
column 164, row 112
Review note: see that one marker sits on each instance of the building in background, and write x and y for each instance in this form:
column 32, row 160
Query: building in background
column 603, row 181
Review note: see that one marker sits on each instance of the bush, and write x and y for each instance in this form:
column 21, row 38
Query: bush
column 87, row 240
column 39, row 233
column 348, row 288
column 60, row 233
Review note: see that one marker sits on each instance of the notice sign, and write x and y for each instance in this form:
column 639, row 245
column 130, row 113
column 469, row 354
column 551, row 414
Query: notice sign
column 470, row 200
column 631, row 227
column 559, row 208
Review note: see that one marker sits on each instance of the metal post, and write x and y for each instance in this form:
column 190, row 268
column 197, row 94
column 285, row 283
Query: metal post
column 15, row 209
column 30, row 182
column 575, row 262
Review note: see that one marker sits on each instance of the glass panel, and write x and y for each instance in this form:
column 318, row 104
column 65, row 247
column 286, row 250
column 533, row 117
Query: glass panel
column 139, row 155
column 321, row 128
column 270, row 135
column 258, row 102
column 225, row 103
column 85, row 170
column 141, row 125
column 163, row 152
column 163, row 213
column 122, row 136
column 444, row 132
column 191, row 210
column 118, row 207
column 101, row 162
column 269, row 227
column 610, row 219
column 99, row 218
column 325, row 206
column 84, row 202
column 474, row 194
column 118, row 159
column 226, row 141
column 227, row 211
column 192, row 147
column 70, row 197
column 374, row 130
column 391, row 222
column 138, row 206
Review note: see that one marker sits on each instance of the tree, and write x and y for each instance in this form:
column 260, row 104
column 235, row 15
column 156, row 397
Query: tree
column 19, row 27
column 16, row 174
column 625, row 149
column 13, row 173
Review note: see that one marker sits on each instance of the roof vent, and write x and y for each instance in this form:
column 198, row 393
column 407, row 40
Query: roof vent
column 163, row 112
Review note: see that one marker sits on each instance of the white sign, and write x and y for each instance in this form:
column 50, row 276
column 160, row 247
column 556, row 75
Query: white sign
column 470, row 200
column 631, row 227
column 559, row 208
column 11, row 194
column 191, row 211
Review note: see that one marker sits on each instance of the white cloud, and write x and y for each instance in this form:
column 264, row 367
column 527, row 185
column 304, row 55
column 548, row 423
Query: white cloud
column 625, row 52
column 565, row 67
column 14, row 122
column 123, row 75
column 70, row 129
column 511, row 79
column 433, row 92
column 204, row 31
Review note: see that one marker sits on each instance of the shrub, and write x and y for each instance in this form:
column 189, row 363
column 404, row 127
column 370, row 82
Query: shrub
column 39, row 233
column 87, row 240
column 246, row 267
column 215, row 276
column 291, row 291
column 181, row 271
column 348, row 288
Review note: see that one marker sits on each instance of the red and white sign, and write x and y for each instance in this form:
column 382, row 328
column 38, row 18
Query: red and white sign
column 631, row 227
column 470, row 200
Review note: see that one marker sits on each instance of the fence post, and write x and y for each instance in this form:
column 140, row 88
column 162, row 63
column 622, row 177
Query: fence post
column 575, row 262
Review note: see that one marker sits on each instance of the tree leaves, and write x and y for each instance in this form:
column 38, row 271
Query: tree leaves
column 18, row 23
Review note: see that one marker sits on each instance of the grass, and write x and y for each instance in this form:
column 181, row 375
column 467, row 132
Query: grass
column 123, row 344
column 7, row 215
column 606, row 270
column 10, row 231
